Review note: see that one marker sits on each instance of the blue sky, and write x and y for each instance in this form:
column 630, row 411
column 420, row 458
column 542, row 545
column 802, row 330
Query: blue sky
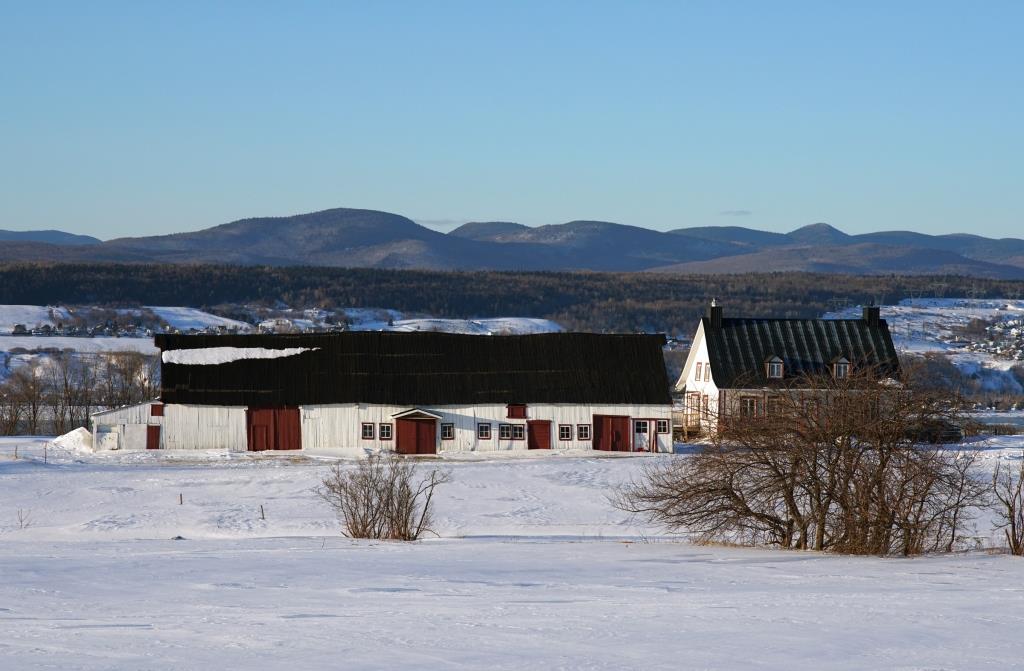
column 143, row 117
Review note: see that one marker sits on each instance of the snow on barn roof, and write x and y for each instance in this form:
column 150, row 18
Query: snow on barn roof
column 421, row 368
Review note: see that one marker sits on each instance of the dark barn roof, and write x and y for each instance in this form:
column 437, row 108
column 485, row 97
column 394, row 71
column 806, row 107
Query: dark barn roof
column 738, row 348
column 422, row 369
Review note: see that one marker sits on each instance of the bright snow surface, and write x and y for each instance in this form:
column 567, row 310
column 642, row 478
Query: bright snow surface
column 208, row 356
column 534, row 570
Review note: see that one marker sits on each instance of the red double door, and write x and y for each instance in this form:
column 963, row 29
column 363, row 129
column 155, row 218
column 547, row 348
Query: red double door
column 273, row 429
column 416, row 436
column 611, row 433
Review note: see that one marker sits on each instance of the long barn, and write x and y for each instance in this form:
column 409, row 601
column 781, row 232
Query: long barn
column 414, row 393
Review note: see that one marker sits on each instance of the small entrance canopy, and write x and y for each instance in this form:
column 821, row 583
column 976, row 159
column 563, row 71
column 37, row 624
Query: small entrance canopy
column 416, row 413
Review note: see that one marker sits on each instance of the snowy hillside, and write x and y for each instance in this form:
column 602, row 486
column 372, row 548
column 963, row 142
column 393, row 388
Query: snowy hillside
column 30, row 316
column 183, row 319
column 927, row 325
column 533, row 570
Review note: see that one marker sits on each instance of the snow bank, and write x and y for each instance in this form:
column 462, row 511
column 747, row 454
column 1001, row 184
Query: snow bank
column 208, row 356
column 79, row 440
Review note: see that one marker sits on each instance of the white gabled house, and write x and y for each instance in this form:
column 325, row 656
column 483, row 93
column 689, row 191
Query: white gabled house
column 413, row 393
column 736, row 365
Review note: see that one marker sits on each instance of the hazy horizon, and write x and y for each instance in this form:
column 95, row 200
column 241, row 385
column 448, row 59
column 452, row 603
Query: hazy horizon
column 126, row 119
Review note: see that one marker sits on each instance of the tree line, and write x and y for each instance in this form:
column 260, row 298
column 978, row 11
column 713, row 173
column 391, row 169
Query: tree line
column 584, row 301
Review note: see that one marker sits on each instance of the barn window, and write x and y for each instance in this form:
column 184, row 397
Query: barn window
column 447, row 432
column 367, row 431
column 384, row 432
column 707, row 372
column 516, row 411
column 156, row 410
column 697, row 376
column 505, row 431
column 565, row 431
column 640, row 426
column 518, row 432
column 661, row 426
column 483, row 431
column 582, row 432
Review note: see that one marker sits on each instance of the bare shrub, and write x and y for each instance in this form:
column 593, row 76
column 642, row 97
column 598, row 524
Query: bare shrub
column 1008, row 488
column 384, row 496
column 823, row 464
column 24, row 518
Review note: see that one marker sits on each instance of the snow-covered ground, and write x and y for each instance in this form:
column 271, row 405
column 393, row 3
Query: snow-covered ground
column 533, row 570
column 922, row 325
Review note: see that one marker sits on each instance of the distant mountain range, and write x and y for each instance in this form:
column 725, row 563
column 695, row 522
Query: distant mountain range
column 368, row 238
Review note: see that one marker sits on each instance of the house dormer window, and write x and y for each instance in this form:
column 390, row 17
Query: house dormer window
column 841, row 369
column 774, row 368
column 697, row 376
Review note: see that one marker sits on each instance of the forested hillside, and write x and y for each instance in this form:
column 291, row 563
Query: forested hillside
column 578, row 301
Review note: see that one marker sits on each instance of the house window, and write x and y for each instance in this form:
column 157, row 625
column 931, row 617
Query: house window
column 156, row 410
column 774, row 406
column 775, row 370
column 505, row 431
column 842, row 370
column 697, row 376
column 750, row 406
column 661, row 425
column 483, row 431
column 384, row 431
column 582, row 432
column 707, row 372
column 447, row 432
column 565, row 431
column 367, row 431
column 516, row 411
column 518, row 432
column 707, row 412
column 640, row 426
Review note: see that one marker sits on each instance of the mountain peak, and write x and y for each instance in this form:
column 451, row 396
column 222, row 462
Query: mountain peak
column 820, row 233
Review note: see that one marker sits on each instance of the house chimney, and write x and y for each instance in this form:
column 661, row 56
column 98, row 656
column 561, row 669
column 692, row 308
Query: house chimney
column 871, row 315
column 715, row 315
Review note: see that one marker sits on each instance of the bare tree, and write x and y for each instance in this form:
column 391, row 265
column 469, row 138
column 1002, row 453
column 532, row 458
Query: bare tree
column 28, row 385
column 382, row 497
column 825, row 464
column 1008, row 487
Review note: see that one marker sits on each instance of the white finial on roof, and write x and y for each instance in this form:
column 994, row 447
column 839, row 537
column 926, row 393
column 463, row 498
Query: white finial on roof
column 712, row 302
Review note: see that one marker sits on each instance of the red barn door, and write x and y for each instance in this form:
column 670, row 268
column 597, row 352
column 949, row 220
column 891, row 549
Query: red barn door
column 273, row 429
column 152, row 437
column 416, row 436
column 611, row 433
column 538, row 435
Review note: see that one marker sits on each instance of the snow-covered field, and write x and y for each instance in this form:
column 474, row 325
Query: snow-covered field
column 533, row 570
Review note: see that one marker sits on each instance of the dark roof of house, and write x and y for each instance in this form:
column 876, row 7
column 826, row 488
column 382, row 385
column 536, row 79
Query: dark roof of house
column 739, row 349
column 422, row 369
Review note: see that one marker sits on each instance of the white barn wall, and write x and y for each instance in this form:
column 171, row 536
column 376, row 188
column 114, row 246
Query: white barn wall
column 183, row 427
column 339, row 426
column 204, row 427
column 329, row 427
column 123, row 428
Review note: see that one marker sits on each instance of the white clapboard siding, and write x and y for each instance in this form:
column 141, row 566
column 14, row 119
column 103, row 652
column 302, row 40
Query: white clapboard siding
column 328, row 427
